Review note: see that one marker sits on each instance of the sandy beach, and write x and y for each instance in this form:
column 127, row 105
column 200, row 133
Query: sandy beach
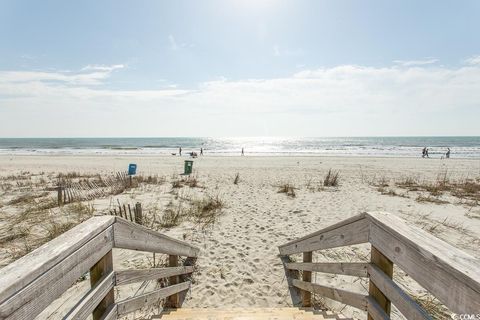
column 239, row 264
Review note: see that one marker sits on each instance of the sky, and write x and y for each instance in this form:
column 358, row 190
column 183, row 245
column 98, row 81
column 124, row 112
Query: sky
column 239, row 68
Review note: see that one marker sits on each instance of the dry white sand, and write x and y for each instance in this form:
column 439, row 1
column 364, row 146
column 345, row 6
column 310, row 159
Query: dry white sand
column 239, row 264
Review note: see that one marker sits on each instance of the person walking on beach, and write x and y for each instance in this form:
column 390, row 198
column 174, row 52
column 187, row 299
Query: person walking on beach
column 243, row 152
column 447, row 155
column 424, row 152
column 180, row 151
column 201, row 151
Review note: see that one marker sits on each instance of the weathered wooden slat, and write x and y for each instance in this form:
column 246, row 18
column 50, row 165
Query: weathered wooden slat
column 29, row 301
column 132, row 276
column 348, row 232
column 174, row 300
column 103, row 267
column 375, row 311
column 356, row 269
column 147, row 299
column 20, row 273
column 111, row 313
column 386, row 266
column 448, row 273
column 404, row 303
column 353, row 299
column 307, row 277
column 129, row 235
column 93, row 297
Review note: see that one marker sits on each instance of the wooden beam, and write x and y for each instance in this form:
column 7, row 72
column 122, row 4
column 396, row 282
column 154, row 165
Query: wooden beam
column 356, row 269
column 174, row 300
column 140, row 275
column 307, row 277
column 29, row 300
column 348, row 232
column 111, row 313
column 144, row 300
column 353, row 299
column 103, row 267
column 386, row 266
column 375, row 311
column 92, row 299
column 404, row 303
column 129, row 235
column 448, row 273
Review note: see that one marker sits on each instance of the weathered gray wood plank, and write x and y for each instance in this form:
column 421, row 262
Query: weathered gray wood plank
column 348, row 232
column 30, row 300
column 375, row 311
column 356, row 269
column 404, row 303
column 89, row 302
column 111, row 313
column 353, row 299
column 147, row 299
column 129, row 235
column 448, row 273
column 26, row 269
column 139, row 275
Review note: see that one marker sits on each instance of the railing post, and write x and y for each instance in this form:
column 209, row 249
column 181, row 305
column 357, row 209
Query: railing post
column 174, row 300
column 103, row 267
column 307, row 276
column 384, row 264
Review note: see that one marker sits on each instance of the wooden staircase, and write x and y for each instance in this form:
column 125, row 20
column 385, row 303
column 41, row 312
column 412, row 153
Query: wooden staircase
column 33, row 282
column 245, row 313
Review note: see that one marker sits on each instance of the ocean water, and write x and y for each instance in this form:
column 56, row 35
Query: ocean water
column 461, row 147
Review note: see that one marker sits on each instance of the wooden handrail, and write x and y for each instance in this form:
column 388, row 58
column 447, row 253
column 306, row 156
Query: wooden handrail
column 446, row 272
column 348, row 232
column 30, row 284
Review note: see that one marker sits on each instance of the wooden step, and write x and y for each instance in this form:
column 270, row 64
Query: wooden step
column 244, row 313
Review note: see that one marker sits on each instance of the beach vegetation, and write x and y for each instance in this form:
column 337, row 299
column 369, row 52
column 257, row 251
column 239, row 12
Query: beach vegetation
column 237, row 178
column 150, row 179
column 288, row 189
column 206, row 211
column 331, row 179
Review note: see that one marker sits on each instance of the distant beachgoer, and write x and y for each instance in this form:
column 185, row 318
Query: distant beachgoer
column 243, row 152
column 447, row 155
column 424, row 152
column 180, row 150
column 201, row 151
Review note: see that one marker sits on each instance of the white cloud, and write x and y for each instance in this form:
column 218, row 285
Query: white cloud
column 410, row 63
column 287, row 52
column 473, row 60
column 97, row 67
column 343, row 100
column 172, row 42
column 89, row 75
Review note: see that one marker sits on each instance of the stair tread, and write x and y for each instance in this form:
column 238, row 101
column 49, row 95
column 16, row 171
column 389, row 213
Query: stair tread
column 283, row 313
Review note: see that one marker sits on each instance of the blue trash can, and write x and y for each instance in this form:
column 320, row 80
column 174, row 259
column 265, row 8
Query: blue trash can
column 132, row 169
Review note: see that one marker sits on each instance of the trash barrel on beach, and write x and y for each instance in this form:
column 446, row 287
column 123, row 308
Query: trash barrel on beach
column 188, row 167
column 132, row 169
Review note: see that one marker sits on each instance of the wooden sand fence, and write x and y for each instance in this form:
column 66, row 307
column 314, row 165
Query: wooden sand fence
column 69, row 191
column 132, row 213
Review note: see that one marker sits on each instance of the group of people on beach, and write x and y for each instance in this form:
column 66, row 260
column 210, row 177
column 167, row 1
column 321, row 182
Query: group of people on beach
column 193, row 154
column 425, row 153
